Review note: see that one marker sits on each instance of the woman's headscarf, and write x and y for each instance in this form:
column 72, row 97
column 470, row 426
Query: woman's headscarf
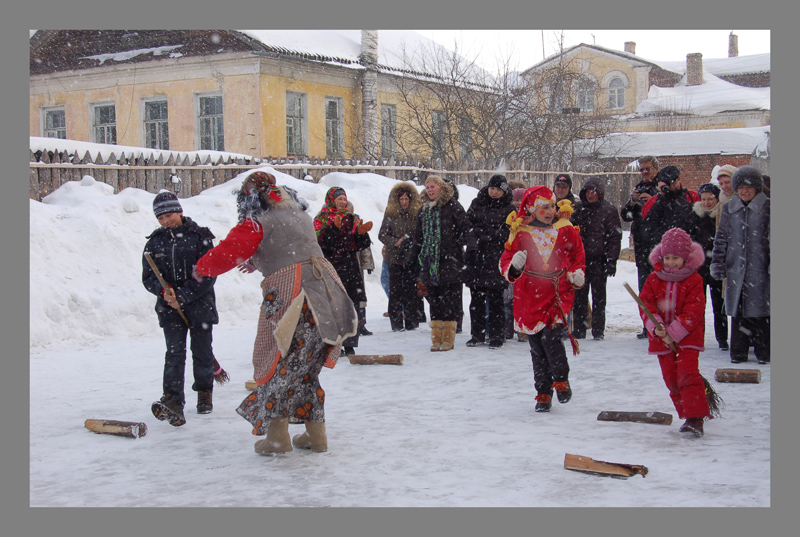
column 328, row 213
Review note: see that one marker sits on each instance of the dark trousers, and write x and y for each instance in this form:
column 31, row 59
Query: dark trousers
column 175, row 359
column 718, row 307
column 549, row 359
column 352, row 341
column 483, row 299
column 403, row 300
column 596, row 281
column 643, row 270
column 444, row 301
column 747, row 331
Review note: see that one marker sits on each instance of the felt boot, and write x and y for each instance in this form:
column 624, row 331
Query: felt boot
column 277, row 440
column 436, row 335
column 448, row 335
column 204, row 405
column 313, row 438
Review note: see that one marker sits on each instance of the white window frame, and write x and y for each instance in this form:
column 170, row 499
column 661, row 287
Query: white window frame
column 145, row 121
column 106, row 127
column 388, row 130
column 199, row 120
column 334, row 128
column 43, row 120
column 298, row 129
column 615, row 97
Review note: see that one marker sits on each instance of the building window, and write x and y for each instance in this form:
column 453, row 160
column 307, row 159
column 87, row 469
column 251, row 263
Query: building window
column 296, row 123
column 616, row 93
column 104, row 124
column 55, row 123
column 585, row 97
column 334, row 129
column 388, row 130
column 211, row 126
column 465, row 138
column 156, row 124
column 439, row 125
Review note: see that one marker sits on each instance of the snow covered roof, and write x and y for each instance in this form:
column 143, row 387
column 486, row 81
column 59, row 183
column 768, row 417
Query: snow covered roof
column 741, row 141
column 714, row 95
column 739, row 65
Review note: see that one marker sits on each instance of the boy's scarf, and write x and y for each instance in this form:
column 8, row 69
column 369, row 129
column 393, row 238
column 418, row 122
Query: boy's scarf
column 431, row 238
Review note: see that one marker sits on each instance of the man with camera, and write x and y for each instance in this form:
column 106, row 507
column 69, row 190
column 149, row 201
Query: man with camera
column 632, row 212
column 670, row 208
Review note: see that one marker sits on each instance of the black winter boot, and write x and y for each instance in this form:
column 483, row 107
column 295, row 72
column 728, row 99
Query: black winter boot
column 204, row 405
column 563, row 391
column 693, row 427
column 543, row 403
column 169, row 408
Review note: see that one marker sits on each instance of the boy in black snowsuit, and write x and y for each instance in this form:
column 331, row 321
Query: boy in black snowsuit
column 175, row 248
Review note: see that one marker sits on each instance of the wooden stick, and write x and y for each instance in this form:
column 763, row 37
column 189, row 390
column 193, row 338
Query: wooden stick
column 129, row 429
column 640, row 417
column 749, row 376
column 648, row 313
column 164, row 284
column 579, row 463
column 366, row 359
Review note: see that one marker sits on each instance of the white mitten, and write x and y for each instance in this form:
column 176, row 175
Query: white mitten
column 518, row 261
column 576, row 278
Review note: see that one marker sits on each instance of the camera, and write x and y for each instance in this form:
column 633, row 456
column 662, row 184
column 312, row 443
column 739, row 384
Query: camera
column 642, row 189
column 665, row 189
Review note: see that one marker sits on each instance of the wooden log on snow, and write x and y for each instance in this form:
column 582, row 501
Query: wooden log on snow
column 639, row 417
column 750, row 376
column 129, row 429
column 367, row 359
column 579, row 463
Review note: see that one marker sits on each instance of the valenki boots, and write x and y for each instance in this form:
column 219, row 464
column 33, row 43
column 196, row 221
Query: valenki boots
column 436, row 335
column 313, row 438
column 448, row 335
column 277, row 440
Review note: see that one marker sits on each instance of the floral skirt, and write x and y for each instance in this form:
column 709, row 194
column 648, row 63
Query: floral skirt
column 293, row 391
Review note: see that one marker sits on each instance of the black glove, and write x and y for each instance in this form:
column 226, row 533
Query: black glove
column 369, row 271
column 611, row 267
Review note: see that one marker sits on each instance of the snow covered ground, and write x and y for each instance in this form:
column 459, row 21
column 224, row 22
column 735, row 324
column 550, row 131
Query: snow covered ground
column 452, row 429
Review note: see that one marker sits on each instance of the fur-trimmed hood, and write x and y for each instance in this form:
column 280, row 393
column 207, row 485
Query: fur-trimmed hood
column 695, row 261
column 445, row 195
column 393, row 205
column 700, row 211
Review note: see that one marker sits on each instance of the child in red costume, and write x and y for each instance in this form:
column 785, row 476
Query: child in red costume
column 546, row 264
column 675, row 296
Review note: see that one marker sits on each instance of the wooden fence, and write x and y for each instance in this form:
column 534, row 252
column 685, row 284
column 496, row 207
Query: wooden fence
column 50, row 169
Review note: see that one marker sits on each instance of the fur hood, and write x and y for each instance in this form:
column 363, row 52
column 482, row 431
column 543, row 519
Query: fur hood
column 700, row 211
column 695, row 261
column 393, row 205
column 445, row 195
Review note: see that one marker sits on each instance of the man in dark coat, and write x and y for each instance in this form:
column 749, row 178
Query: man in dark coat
column 671, row 208
column 742, row 256
column 601, row 232
column 175, row 248
column 562, row 189
column 632, row 212
column 485, row 240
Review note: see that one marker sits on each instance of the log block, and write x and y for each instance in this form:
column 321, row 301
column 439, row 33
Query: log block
column 366, row 359
column 751, row 376
column 129, row 429
column 250, row 385
column 579, row 463
column 639, row 417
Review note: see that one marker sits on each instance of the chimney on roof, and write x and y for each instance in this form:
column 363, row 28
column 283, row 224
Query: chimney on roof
column 733, row 45
column 694, row 69
column 630, row 46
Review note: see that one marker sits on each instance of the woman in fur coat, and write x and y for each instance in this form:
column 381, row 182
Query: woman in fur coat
column 305, row 317
column 702, row 229
column 438, row 252
column 675, row 296
column 396, row 233
column 342, row 235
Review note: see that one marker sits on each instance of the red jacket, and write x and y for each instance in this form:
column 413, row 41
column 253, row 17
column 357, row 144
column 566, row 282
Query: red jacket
column 680, row 306
column 535, row 299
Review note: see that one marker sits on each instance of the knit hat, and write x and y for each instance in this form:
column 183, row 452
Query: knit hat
column 747, row 176
column 564, row 179
column 499, row 181
column 668, row 174
column 517, row 194
column 166, row 202
column 709, row 187
column 677, row 242
column 726, row 170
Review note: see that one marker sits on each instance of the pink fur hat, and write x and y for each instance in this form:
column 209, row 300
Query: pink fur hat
column 677, row 242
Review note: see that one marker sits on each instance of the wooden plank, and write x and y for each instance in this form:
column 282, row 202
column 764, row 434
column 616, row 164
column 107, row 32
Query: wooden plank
column 368, row 359
column 639, row 417
column 750, row 376
column 129, row 429
column 579, row 463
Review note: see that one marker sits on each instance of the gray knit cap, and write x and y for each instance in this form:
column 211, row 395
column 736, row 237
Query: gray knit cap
column 166, row 202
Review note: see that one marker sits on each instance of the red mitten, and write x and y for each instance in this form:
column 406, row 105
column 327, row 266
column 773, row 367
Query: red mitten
column 364, row 228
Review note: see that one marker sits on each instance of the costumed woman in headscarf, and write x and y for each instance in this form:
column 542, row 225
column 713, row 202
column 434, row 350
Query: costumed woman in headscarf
column 305, row 316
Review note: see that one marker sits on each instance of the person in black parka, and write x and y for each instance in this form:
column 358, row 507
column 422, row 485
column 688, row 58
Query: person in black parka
column 485, row 241
column 175, row 248
column 601, row 232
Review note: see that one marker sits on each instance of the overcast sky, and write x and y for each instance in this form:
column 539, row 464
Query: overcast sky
column 525, row 46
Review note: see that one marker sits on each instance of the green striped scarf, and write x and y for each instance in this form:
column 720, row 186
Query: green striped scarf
column 431, row 239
